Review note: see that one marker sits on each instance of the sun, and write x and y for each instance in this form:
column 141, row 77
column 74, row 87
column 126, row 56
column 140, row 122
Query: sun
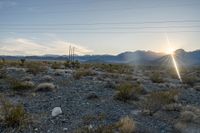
column 169, row 50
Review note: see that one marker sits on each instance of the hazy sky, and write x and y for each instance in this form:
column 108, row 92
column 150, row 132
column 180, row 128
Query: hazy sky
column 37, row 27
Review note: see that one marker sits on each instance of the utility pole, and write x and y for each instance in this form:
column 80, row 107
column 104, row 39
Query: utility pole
column 73, row 54
column 70, row 52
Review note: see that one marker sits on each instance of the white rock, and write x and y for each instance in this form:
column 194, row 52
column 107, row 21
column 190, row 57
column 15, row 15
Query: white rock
column 65, row 129
column 56, row 111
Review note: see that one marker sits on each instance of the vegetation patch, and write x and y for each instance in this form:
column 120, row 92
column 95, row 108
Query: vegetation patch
column 44, row 87
column 35, row 67
column 156, row 100
column 124, row 125
column 13, row 115
column 128, row 91
column 18, row 85
column 82, row 73
column 156, row 78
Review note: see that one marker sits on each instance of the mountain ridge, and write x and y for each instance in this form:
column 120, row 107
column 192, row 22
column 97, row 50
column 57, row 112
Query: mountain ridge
column 136, row 57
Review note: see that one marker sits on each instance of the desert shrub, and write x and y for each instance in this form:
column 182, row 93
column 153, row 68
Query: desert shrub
column 88, row 119
column 156, row 78
column 82, row 73
column 3, row 73
column 22, row 61
column 188, row 121
column 20, row 85
column 127, row 91
column 35, row 67
column 56, row 65
column 2, row 64
column 100, row 129
column 13, row 115
column 187, row 116
column 156, row 100
column 114, row 68
column 76, row 64
column 67, row 64
column 46, row 87
column 190, row 80
column 127, row 125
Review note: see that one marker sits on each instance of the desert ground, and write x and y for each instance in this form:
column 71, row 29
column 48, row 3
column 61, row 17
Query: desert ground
column 56, row 97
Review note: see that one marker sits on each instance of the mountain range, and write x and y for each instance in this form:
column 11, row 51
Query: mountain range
column 137, row 57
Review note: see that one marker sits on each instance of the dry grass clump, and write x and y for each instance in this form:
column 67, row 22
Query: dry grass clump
column 187, row 116
column 88, row 119
column 20, row 85
column 124, row 125
column 44, row 87
column 56, row 65
column 13, row 115
column 3, row 73
column 128, row 91
column 190, row 80
column 127, row 125
column 188, row 122
column 156, row 78
column 35, row 67
column 156, row 100
column 82, row 73
column 114, row 68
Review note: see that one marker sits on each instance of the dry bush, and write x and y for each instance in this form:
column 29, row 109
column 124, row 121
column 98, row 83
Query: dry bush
column 114, row 68
column 17, row 85
column 128, row 91
column 188, row 122
column 82, row 73
column 3, row 73
column 2, row 64
column 156, row 100
column 190, row 80
column 187, row 116
column 88, row 119
column 46, row 87
column 13, row 115
column 35, row 67
column 156, row 78
column 56, row 65
column 127, row 125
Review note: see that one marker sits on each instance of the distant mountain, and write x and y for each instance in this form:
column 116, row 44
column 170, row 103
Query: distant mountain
column 137, row 57
column 140, row 57
column 182, row 57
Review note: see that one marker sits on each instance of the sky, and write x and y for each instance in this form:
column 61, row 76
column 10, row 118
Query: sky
column 39, row 27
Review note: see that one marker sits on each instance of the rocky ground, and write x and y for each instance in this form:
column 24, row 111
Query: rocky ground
column 88, row 101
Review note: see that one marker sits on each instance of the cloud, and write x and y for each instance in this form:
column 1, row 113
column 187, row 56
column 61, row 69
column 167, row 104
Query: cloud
column 22, row 46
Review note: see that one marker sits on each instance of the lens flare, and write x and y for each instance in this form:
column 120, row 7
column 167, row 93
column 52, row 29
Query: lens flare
column 173, row 59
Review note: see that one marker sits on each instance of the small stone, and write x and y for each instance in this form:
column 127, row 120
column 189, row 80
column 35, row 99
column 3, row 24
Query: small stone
column 90, row 127
column 65, row 129
column 56, row 111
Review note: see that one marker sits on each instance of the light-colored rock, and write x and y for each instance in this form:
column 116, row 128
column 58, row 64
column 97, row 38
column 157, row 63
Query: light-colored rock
column 46, row 87
column 56, row 111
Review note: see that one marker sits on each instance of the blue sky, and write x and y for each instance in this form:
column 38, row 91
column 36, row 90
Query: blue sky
column 37, row 27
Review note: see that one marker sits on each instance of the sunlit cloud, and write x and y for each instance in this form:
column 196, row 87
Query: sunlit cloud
column 22, row 46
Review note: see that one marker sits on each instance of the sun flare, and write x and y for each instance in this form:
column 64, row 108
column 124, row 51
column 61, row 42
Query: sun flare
column 170, row 51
